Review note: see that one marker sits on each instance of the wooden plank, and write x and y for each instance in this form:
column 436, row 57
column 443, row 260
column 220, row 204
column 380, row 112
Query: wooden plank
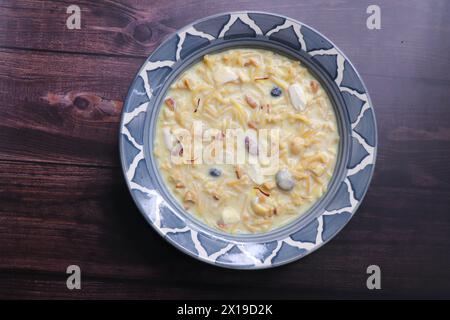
column 56, row 215
column 66, row 108
column 62, row 108
column 416, row 45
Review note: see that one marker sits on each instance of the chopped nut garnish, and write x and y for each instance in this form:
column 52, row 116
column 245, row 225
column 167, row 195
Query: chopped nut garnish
column 251, row 62
column 215, row 196
column 238, row 171
column 187, row 84
column 170, row 103
column 269, row 185
column 251, row 102
column 314, row 86
column 252, row 125
column 263, row 191
column 296, row 145
column 261, row 78
column 261, row 209
column 190, row 196
column 196, row 107
column 179, row 185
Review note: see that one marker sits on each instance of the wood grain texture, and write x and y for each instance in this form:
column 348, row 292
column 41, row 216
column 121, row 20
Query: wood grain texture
column 63, row 199
column 65, row 107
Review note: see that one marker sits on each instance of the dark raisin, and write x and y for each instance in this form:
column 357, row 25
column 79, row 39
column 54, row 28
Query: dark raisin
column 215, row 172
column 276, row 92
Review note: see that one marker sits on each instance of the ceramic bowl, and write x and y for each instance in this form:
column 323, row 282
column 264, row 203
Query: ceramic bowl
column 356, row 124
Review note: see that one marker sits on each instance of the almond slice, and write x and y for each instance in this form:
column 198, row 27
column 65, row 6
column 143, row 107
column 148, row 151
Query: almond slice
column 264, row 191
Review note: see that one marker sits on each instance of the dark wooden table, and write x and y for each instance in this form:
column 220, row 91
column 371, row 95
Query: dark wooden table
column 63, row 200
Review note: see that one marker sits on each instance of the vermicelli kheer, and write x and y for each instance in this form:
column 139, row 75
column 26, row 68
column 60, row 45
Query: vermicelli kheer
column 246, row 140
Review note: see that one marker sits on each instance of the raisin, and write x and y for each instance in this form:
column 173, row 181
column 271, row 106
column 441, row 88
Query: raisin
column 215, row 172
column 276, row 92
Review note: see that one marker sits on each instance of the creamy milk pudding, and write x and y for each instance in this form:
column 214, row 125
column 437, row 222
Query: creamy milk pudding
column 246, row 140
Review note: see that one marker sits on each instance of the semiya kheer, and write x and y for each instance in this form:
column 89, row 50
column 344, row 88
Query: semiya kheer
column 248, row 90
